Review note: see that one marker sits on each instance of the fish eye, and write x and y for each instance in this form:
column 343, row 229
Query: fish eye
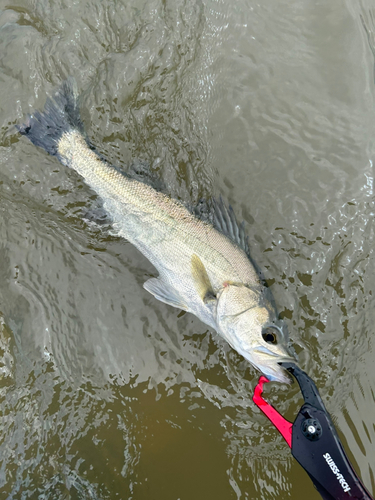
column 269, row 335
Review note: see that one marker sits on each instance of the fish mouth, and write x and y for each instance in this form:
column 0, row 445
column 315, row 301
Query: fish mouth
column 270, row 365
column 281, row 358
column 276, row 374
column 285, row 364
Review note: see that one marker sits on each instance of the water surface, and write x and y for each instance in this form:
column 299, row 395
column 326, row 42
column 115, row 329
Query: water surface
column 105, row 392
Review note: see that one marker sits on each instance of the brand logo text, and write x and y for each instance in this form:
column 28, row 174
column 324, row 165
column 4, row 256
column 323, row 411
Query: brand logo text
column 337, row 472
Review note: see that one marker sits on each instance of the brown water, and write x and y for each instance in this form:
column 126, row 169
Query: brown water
column 106, row 393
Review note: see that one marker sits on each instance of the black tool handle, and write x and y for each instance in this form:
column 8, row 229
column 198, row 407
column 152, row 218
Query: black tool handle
column 317, row 447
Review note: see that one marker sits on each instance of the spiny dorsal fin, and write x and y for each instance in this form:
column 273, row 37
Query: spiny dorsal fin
column 224, row 220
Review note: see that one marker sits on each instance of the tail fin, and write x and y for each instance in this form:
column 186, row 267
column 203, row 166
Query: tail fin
column 61, row 114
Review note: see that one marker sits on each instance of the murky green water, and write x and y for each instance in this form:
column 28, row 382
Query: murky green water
column 105, row 392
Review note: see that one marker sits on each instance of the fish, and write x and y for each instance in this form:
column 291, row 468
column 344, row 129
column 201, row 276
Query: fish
column 203, row 263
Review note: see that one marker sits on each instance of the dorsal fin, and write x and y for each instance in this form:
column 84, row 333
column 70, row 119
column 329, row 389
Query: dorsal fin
column 144, row 172
column 224, row 220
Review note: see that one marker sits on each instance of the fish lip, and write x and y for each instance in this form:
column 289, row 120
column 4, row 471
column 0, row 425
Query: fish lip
column 267, row 352
column 280, row 358
column 277, row 375
column 274, row 371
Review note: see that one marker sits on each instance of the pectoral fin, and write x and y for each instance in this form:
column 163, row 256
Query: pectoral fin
column 164, row 293
column 201, row 279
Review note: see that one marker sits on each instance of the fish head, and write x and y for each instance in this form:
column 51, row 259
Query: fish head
column 247, row 319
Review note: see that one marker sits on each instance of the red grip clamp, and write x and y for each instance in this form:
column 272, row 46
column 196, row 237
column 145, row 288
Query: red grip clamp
column 281, row 424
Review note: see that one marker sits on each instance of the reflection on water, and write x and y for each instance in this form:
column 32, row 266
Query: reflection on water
column 107, row 393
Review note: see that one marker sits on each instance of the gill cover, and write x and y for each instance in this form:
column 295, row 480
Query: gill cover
column 248, row 321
